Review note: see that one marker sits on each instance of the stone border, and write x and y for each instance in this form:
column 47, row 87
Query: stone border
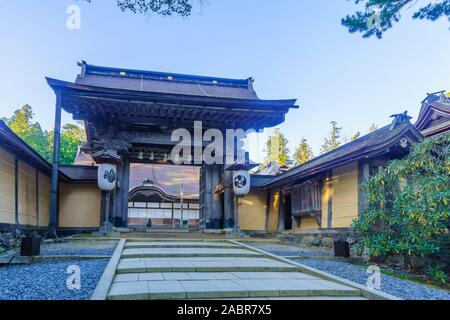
column 67, row 257
column 102, row 289
column 370, row 294
column 174, row 240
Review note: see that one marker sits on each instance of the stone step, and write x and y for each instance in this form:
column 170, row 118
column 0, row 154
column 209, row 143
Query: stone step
column 180, row 244
column 201, row 264
column 167, row 230
column 227, row 288
column 188, row 252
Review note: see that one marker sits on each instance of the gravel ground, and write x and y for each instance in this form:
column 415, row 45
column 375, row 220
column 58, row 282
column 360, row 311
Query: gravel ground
column 404, row 289
column 80, row 248
column 47, row 280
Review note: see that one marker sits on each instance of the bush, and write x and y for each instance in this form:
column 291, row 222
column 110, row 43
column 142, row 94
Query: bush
column 408, row 205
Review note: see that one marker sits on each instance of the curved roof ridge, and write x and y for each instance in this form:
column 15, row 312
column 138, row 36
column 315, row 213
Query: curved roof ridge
column 162, row 76
column 369, row 142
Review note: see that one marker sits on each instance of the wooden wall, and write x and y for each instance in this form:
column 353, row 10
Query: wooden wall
column 252, row 212
column 79, row 206
column 345, row 195
column 28, row 191
column 7, row 188
column 27, row 195
column 44, row 199
column 342, row 191
column 273, row 212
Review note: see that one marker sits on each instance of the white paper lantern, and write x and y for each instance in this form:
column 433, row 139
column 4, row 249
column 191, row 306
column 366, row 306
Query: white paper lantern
column 241, row 183
column 107, row 176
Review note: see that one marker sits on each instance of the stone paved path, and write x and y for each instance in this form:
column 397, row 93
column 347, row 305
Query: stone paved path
column 213, row 270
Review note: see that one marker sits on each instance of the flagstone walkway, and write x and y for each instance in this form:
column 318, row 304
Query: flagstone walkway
column 149, row 270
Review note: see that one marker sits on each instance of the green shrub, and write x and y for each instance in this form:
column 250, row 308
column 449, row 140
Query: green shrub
column 408, row 204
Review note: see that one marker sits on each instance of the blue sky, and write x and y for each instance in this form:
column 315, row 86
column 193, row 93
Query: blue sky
column 293, row 49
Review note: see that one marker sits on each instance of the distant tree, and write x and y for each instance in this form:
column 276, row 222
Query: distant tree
column 380, row 15
column 72, row 136
column 373, row 127
column 352, row 137
column 181, row 8
column 333, row 140
column 303, row 153
column 29, row 131
column 277, row 149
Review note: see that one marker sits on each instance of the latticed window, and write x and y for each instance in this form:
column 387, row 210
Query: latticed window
column 306, row 199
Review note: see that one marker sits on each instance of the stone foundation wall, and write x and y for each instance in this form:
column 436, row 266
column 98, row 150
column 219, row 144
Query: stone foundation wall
column 320, row 238
column 11, row 235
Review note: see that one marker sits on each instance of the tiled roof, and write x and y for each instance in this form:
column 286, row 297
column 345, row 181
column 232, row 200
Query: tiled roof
column 162, row 82
column 371, row 143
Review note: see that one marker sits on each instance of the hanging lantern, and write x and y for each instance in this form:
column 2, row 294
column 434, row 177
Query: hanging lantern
column 241, row 182
column 107, row 176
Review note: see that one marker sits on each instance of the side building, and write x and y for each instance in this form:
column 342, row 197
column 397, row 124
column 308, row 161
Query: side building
column 434, row 116
column 323, row 196
column 25, row 190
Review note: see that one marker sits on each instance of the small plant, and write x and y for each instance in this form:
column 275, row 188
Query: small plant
column 438, row 275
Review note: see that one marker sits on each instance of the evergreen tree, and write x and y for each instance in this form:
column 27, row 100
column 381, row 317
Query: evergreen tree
column 72, row 136
column 380, row 15
column 373, row 127
column 333, row 140
column 352, row 137
column 29, row 131
column 277, row 149
column 182, row 8
column 303, row 153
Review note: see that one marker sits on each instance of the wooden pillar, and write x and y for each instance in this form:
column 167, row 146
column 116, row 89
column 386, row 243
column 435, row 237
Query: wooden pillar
column 363, row 176
column 281, row 211
column 125, row 186
column 268, row 202
column 207, row 197
column 37, row 198
column 55, row 167
column 228, row 200
column 330, row 199
column 16, row 190
column 120, row 207
column 217, row 205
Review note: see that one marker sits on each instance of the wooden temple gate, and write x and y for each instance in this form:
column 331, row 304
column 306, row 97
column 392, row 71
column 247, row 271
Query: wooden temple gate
column 128, row 111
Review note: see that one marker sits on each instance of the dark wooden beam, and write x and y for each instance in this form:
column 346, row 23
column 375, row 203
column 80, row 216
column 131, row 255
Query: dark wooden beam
column 268, row 202
column 55, row 168
column 16, row 190
column 363, row 176
column 281, row 211
column 330, row 199
column 37, row 198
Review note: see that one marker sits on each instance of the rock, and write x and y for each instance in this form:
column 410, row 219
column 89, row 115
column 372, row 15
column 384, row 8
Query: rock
column 316, row 242
column 327, row 242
